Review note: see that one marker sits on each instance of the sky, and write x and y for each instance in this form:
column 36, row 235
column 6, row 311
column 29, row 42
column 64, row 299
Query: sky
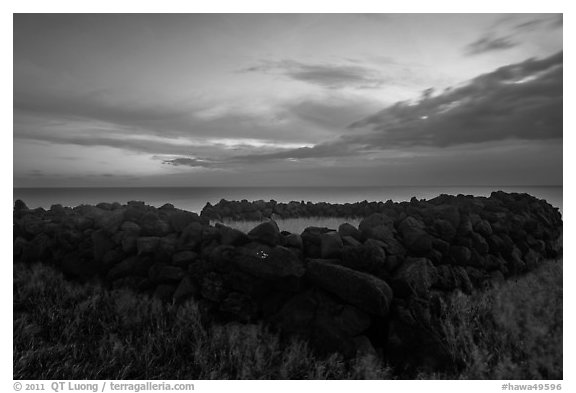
column 287, row 99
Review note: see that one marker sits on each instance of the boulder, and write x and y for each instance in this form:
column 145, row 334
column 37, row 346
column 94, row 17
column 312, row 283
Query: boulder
column 330, row 245
column 460, row 255
column 268, row 262
column 312, row 240
column 414, row 277
column 232, row 236
column 415, row 237
column 191, row 237
column 362, row 290
column 165, row 274
column 350, row 230
column 366, row 258
column 131, row 266
column 329, row 325
column 266, row 233
column 484, row 228
column 148, row 244
column 101, row 244
column 294, row 240
column 184, row 258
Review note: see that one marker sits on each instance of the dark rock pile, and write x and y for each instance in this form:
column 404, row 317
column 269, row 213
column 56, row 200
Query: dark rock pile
column 380, row 287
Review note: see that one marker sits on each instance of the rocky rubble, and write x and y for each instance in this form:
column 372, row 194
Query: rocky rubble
column 380, row 287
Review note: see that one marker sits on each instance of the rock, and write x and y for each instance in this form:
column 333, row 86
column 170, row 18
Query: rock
column 186, row 289
column 415, row 237
column 267, row 233
column 350, row 241
column 163, row 273
column 444, row 229
column 147, row 244
column 294, row 240
column 460, row 255
column 184, row 258
column 349, row 230
column 328, row 325
column 101, row 244
column 312, row 240
column 415, row 276
column 373, row 221
column 231, row 236
column 37, row 250
column 191, row 237
column 266, row 262
column 112, row 257
column 131, row 266
column 366, row 258
column 130, row 227
column 479, row 243
column 19, row 205
column 359, row 289
column 330, row 245
column 484, row 228
column 180, row 219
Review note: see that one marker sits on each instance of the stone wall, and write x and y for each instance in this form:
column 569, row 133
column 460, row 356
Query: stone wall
column 379, row 287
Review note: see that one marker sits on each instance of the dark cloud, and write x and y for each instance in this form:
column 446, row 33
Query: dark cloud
column 516, row 102
column 489, row 44
column 331, row 76
column 520, row 101
column 551, row 21
column 191, row 162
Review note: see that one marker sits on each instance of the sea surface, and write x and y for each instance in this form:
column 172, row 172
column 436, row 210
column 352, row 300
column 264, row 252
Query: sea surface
column 195, row 198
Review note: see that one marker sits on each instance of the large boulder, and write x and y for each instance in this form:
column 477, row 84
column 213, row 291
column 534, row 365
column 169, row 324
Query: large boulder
column 147, row 244
column 329, row 325
column 267, row 233
column 415, row 237
column 267, row 262
column 366, row 258
column 330, row 245
column 347, row 229
column 362, row 290
column 191, row 237
column 232, row 236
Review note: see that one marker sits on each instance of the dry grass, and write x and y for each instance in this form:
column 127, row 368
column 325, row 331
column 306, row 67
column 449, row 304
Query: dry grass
column 64, row 330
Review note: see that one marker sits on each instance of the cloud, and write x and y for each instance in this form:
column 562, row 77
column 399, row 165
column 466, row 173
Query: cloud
column 517, row 102
column 489, row 43
column 521, row 101
column 191, row 162
column 554, row 21
column 330, row 76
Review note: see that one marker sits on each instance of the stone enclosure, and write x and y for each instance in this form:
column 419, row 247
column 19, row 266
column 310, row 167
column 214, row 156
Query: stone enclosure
column 379, row 288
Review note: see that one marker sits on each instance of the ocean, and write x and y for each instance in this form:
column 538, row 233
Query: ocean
column 195, row 198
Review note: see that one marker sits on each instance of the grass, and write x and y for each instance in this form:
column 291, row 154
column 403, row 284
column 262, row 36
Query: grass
column 513, row 331
column 294, row 225
column 64, row 330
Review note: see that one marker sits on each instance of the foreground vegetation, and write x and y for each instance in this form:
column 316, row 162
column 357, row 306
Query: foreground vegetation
column 65, row 330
